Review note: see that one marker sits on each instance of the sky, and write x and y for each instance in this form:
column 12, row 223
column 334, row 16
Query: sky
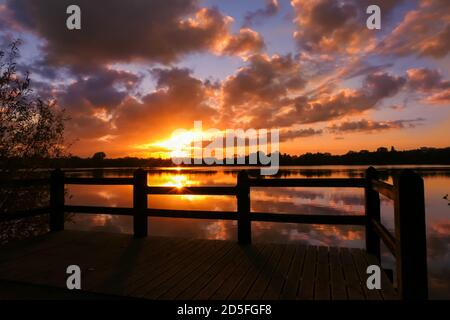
column 138, row 70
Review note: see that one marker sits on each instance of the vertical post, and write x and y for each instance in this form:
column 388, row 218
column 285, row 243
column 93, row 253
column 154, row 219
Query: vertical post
column 243, row 206
column 140, row 203
column 372, row 204
column 410, row 231
column 56, row 220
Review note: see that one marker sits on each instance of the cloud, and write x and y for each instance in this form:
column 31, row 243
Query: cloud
column 271, row 9
column 286, row 135
column 261, row 85
column 329, row 26
column 423, row 32
column 381, row 85
column 124, row 124
column 138, row 30
column 101, row 89
column 426, row 80
column 439, row 98
column 178, row 101
column 332, row 106
column 372, row 126
column 244, row 43
column 430, row 85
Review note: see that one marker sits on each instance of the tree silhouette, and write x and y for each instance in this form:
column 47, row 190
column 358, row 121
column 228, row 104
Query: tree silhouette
column 31, row 129
column 99, row 156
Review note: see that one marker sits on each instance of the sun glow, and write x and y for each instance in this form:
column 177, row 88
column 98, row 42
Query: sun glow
column 178, row 181
column 179, row 145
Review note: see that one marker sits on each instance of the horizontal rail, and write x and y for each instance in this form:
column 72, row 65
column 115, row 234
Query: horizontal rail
column 192, row 214
column 23, row 214
column 164, row 213
column 385, row 235
column 223, row 191
column 99, row 210
column 327, row 182
column 308, row 219
column 99, row 181
column 24, row 182
column 384, row 188
column 224, row 215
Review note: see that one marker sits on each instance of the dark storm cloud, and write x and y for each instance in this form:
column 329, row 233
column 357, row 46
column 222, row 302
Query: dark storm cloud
column 98, row 90
column 116, row 30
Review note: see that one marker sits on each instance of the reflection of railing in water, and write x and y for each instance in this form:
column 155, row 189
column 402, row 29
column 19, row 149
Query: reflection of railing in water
column 408, row 245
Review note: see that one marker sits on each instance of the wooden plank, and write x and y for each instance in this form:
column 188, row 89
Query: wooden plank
column 252, row 254
column 354, row 289
column 276, row 284
column 385, row 235
column 384, row 188
column 206, row 276
column 113, row 274
column 20, row 249
column 45, row 266
column 156, row 271
column 185, row 275
column 15, row 257
column 265, row 275
column 322, row 290
column 244, row 286
column 171, row 268
column 131, row 262
column 215, row 283
column 388, row 291
column 361, row 267
column 306, row 290
column 338, row 290
column 294, row 274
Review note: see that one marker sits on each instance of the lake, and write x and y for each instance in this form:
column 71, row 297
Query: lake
column 278, row 200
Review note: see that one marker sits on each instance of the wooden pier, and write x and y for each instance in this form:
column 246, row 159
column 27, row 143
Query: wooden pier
column 138, row 266
column 170, row 268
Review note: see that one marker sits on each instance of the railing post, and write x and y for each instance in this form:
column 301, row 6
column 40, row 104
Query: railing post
column 140, row 203
column 243, row 206
column 372, row 204
column 56, row 220
column 410, row 231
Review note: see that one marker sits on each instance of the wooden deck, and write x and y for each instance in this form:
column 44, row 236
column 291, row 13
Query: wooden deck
column 118, row 265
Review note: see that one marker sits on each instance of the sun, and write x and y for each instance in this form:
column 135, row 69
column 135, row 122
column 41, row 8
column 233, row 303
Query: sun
column 178, row 145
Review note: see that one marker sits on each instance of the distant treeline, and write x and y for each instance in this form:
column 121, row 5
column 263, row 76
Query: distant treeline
column 364, row 157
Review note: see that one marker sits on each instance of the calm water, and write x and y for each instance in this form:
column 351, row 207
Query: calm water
column 279, row 200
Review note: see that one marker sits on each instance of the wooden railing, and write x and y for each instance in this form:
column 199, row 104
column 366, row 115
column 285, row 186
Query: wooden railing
column 408, row 245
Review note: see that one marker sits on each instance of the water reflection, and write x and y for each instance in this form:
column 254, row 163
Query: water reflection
column 278, row 200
